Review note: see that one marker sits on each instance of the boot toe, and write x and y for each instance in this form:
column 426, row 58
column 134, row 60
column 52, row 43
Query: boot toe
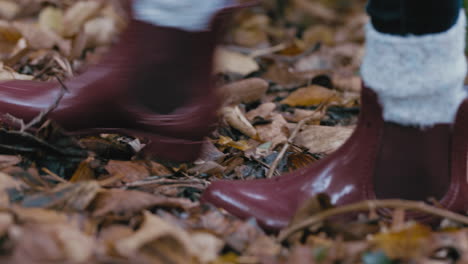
column 245, row 200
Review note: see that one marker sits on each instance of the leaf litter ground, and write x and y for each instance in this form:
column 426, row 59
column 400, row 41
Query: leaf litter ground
column 288, row 75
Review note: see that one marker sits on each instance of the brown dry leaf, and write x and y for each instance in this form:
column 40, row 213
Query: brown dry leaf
column 68, row 196
column 301, row 114
column 284, row 75
column 207, row 245
column 59, row 243
column 8, row 184
column 39, row 216
column 9, row 161
column 319, row 34
column 245, row 91
column 409, row 242
column 157, row 241
column 77, row 15
column 311, row 95
column 8, row 9
column 117, row 201
column 52, row 19
column 264, row 111
column 6, row 221
column 228, row 61
column 323, row 139
column 276, row 132
column 128, row 171
column 42, row 38
column 209, row 167
column 210, row 152
column 83, row 173
column 351, row 83
column 252, row 31
column 235, row 118
column 8, row 33
column 315, row 9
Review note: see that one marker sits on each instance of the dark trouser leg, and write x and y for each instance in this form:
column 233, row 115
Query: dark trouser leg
column 416, row 17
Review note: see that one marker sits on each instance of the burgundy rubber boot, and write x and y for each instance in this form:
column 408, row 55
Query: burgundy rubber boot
column 155, row 84
column 381, row 160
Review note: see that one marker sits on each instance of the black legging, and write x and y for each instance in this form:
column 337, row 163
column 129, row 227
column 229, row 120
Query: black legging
column 416, row 17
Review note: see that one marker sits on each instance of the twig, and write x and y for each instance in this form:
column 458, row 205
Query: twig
column 43, row 114
column 54, row 176
column 370, row 205
column 142, row 183
column 266, row 51
column 288, row 143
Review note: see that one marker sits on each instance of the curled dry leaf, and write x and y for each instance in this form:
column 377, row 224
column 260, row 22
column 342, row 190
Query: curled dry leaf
column 207, row 245
column 235, row 118
column 59, row 243
column 42, row 38
column 127, row 171
column 311, row 95
column 68, row 197
column 276, row 132
column 157, row 241
column 117, row 201
column 228, row 61
column 323, row 139
column 264, row 111
column 245, row 91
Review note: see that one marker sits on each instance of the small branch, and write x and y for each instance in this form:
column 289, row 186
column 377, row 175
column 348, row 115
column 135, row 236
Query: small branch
column 44, row 113
column 371, row 205
column 267, row 51
column 286, row 146
column 54, row 176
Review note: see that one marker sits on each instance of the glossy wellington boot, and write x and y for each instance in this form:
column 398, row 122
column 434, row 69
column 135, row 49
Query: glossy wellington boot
column 381, row 160
column 155, row 84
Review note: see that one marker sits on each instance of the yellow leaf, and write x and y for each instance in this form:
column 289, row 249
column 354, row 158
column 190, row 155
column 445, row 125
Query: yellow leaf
column 51, row 18
column 227, row 141
column 406, row 243
column 311, row 95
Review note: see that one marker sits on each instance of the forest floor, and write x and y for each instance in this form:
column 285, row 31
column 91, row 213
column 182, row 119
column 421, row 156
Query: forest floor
column 288, row 72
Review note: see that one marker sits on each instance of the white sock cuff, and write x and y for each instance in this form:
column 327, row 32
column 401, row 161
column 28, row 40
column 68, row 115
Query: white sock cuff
column 189, row 15
column 419, row 79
